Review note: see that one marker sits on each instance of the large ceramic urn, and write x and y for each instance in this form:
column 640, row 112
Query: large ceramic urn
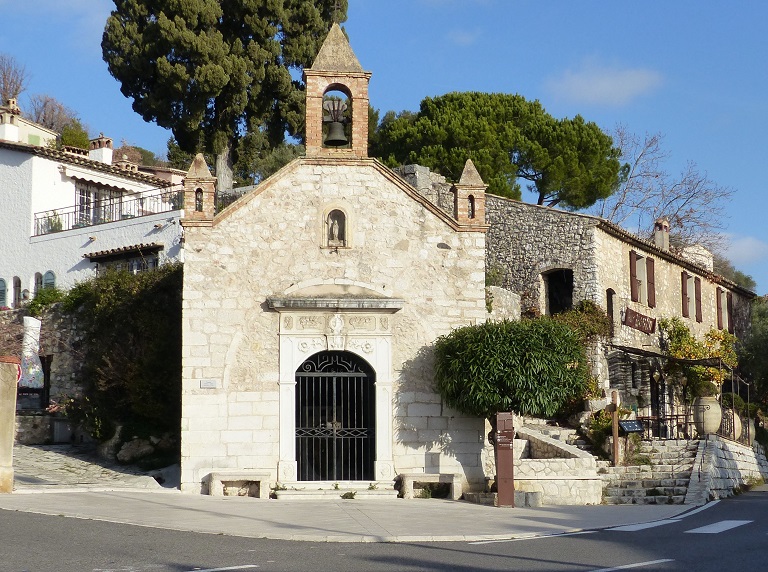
column 707, row 415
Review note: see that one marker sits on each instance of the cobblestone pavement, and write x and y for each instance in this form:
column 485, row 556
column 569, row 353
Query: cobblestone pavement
column 56, row 467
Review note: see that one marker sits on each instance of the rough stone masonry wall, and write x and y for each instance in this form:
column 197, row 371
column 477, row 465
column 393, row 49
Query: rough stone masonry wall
column 525, row 241
column 722, row 466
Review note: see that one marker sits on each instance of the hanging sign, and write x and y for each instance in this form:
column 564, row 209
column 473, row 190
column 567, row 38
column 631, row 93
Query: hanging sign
column 639, row 321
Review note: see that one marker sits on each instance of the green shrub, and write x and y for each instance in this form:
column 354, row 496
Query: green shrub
column 131, row 369
column 532, row 367
column 43, row 298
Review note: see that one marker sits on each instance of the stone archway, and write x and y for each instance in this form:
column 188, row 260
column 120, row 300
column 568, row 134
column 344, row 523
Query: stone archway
column 335, row 418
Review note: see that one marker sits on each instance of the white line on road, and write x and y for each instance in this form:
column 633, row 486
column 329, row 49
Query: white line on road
column 718, row 527
column 636, row 565
column 644, row 525
column 244, row 567
column 532, row 537
column 701, row 508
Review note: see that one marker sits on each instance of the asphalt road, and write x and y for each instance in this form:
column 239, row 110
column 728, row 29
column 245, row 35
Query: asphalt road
column 728, row 535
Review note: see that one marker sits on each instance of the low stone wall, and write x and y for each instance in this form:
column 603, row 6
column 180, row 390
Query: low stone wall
column 33, row 429
column 564, row 474
column 722, row 466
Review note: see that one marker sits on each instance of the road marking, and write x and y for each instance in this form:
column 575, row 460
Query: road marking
column 244, row 567
column 636, row 565
column 701, row 508
column 532, row 537
column 644, row 525
column 718, row 527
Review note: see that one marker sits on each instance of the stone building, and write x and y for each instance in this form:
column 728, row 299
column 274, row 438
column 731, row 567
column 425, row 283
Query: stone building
column 553, row 259
column 311, row 303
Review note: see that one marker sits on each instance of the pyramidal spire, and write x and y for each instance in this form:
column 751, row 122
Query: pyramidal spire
column 336, row 54
column 470, row 177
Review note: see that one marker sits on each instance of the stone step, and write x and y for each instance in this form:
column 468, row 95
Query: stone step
column 336, row 494
column 659, row 499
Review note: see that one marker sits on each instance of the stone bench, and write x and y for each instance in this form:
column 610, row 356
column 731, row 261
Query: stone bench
column 217, row 479
column 453, row 479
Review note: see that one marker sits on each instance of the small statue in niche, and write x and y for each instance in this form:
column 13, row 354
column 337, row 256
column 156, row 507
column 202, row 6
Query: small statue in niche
column 336, row 229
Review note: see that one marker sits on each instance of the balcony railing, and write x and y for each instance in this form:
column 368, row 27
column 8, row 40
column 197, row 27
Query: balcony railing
column 108, row 210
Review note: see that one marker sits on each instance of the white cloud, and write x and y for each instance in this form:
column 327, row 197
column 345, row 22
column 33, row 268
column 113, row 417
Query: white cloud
column 744, row 250
column 598, row 84
column 463, row 37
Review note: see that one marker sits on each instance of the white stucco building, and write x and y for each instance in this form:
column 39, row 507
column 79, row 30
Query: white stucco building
column 67, row 213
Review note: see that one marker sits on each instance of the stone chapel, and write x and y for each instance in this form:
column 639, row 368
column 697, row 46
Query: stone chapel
column 311, row 305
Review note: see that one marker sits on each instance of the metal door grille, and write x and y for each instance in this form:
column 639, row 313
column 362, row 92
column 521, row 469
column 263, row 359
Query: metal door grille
column 335, row 413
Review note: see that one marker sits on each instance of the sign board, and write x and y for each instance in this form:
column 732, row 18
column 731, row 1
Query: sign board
column 638, row 321
column 631, row 426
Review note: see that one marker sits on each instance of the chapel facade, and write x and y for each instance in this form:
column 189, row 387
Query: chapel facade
column 311, row 304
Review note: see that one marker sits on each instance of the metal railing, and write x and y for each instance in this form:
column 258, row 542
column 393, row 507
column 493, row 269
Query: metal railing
column 108, row 210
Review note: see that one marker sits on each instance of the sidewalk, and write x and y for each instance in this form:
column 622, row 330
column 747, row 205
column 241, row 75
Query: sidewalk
column 80, row 488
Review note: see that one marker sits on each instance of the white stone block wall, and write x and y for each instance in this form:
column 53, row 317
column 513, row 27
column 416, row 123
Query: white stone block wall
column 271, row 244
column 723, row 466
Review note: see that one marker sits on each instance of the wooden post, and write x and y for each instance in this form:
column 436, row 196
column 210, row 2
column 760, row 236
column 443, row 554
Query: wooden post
column 615, row 426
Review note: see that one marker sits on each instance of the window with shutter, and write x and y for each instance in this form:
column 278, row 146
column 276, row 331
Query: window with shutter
column 651, row 279
column 719, row 304
column 684, row 290
column 633, row 285
column 697, row 289
column 729, row 311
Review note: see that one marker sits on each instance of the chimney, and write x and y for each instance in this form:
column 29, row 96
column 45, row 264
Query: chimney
column 661, row 233
column 101, row 149
column 9, row 121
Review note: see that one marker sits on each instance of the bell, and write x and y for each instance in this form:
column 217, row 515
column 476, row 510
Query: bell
column 336, row 137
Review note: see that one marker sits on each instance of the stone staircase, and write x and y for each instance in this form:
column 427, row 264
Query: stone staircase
column 567, row 435
column 664, row 481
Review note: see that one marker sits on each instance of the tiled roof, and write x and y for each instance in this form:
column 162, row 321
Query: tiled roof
column 56, row 155
column 152, row 246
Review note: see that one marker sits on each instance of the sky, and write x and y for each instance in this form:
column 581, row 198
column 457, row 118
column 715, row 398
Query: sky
column 694, row 70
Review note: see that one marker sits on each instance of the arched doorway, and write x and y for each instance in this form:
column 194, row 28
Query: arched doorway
column 335, row 418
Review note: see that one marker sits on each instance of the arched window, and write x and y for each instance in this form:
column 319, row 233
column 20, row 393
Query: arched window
column 38, row 283
column 3, row 293
column 16, row 292
column 337, row 228
column 471, row 206
column 49, row 280
column 609, row 307
column 199, row 200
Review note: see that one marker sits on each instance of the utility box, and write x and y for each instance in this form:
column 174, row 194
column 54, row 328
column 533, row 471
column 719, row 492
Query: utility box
column 505, row 460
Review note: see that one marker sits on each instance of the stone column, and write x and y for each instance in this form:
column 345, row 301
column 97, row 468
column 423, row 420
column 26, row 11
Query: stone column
column 9, row 368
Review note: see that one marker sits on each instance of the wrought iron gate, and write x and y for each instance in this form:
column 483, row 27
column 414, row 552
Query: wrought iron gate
column 335, row 418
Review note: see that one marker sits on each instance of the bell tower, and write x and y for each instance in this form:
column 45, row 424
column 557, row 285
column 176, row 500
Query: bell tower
column 337, row 101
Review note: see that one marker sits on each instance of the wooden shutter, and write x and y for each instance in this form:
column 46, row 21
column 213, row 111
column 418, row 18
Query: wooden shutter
column 719, row 303
column 684, row 289
column 633, row 285
column 697, row 288
column 650, row 277
column 729, row 310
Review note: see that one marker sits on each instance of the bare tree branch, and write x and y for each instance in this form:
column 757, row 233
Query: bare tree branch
column 50, row 112
column 13, row 78
column 692, row 202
